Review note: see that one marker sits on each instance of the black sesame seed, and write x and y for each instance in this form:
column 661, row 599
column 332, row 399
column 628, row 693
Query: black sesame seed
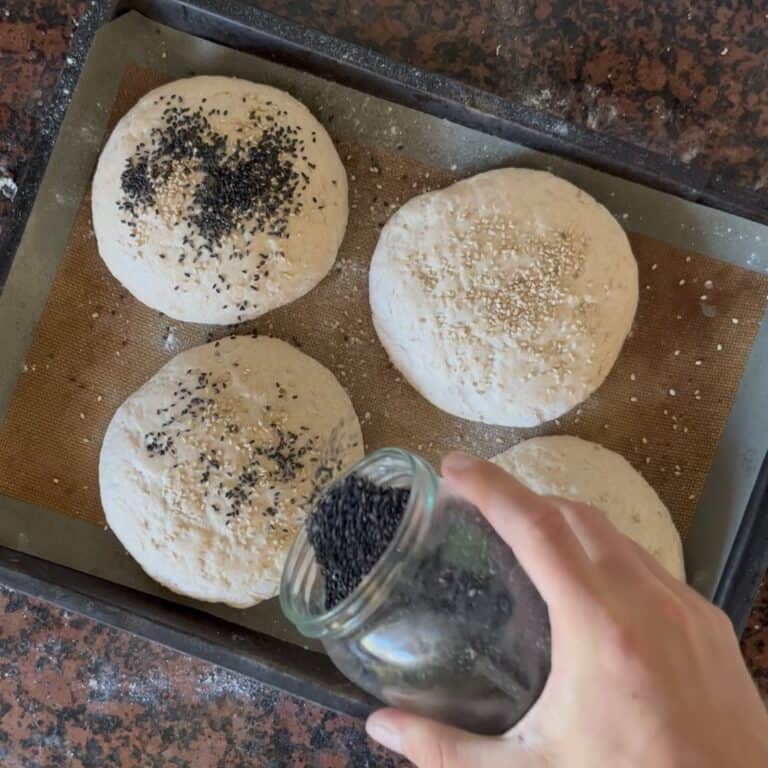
column 350, row 528
column 253, row 182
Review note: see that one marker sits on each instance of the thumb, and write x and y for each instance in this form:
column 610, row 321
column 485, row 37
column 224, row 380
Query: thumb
column 429, row 744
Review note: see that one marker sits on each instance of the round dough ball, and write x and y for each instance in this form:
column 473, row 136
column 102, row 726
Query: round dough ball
column 206, row 472
column 217, row 199
column 582, row 471
column 504, row 298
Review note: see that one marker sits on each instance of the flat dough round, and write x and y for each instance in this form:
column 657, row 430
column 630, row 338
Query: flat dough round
column 206, row 472
column 504, row 298
column 582, row 471
column 216, row 200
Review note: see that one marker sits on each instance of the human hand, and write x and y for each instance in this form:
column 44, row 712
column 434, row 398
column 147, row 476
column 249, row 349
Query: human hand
column 645, row 671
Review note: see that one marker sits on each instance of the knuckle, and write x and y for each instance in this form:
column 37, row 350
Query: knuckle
column 676, row 615
column 615, row 564
column 547, row 522
column 623, row 641
column 722, row 622
column 625, row 651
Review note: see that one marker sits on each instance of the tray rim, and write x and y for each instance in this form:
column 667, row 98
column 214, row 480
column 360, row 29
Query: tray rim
column 205, row 636
column 303, row 673
column 467, row 105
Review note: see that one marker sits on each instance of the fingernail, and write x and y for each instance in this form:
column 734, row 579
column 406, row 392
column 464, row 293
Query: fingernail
column 458, row 461
column 383, row 733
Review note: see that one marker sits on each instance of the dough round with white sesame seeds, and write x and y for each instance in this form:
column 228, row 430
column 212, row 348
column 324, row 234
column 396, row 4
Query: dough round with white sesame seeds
column 504, row 298
column 583, row 471
column 207, row 471
column 217, row 199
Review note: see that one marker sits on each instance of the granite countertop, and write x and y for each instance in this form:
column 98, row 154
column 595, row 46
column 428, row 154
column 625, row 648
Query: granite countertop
column 688, row 82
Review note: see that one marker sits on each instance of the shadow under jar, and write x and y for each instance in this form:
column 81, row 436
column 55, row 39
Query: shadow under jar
column 446, row 624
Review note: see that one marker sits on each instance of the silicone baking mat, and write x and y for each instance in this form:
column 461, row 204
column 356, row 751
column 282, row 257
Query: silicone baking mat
column 663, row 406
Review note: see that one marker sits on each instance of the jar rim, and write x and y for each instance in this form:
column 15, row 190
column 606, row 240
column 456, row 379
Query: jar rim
column 370, row 593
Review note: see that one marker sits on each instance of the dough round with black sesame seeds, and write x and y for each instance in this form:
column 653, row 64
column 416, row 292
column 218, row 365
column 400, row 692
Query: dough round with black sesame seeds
column 583, row 471
column 207, row 471
column 504, row 298
column 217, row 199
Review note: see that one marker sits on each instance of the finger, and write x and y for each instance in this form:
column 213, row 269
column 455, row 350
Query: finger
column 621, row 562
column 533, row 526
column 674, row 593
column 659, row 572
column 595, row 532
column 616, row 556
column 429, row 744
column 603, row 541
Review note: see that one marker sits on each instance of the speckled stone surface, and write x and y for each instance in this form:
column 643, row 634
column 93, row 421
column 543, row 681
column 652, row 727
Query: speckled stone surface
column 686, row 80
column 76, row 693
column 683, row 79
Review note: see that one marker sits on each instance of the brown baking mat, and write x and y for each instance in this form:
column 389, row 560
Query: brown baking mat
column 663, row 406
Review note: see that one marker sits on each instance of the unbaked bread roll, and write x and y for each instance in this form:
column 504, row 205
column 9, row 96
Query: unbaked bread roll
column 504, row 298
column 206, row 472
column 579, row 470
column 217, row 199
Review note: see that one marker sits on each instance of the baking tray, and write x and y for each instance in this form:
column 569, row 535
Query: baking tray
column 725, row 552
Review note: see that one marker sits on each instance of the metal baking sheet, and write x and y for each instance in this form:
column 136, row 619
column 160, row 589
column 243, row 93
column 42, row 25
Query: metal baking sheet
column 438, row 142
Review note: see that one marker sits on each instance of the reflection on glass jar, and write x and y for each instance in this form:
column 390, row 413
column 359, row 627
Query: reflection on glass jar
column 446, row 624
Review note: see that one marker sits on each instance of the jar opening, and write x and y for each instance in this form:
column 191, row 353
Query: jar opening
column 303, row 591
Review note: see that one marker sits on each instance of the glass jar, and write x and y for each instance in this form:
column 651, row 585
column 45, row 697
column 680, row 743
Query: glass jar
column 446, row 624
